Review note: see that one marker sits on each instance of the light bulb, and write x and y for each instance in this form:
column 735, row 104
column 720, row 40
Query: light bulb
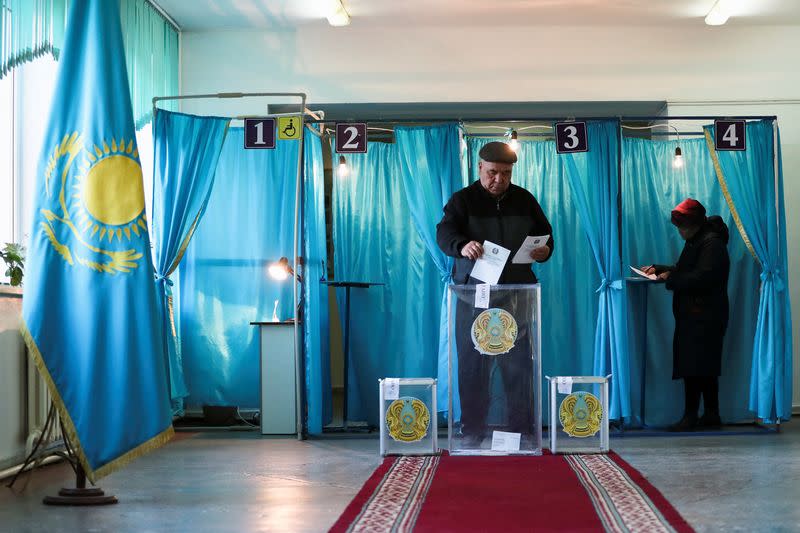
column 343, row 170
column 677, row 160
column 719, row 13
column 336, row 13
column 514, row 143
column 278, row 272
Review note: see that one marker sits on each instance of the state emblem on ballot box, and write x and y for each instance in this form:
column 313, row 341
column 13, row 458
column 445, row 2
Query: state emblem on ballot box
column 408, row 416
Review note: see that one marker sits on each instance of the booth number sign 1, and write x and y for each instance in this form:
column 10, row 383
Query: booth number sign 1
column 260, row 133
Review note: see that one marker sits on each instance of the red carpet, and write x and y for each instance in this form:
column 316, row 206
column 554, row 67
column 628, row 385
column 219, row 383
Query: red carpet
column 548, row 493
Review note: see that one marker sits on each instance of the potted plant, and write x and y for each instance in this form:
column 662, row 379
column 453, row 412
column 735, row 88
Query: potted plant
column 14, row 256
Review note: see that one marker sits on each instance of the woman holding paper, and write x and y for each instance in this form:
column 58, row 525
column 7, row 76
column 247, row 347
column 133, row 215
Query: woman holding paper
column 699, row 281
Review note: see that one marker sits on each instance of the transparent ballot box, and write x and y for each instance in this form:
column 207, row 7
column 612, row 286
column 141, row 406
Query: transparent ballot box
column 408, row 416
column 494, row 370
column 578, row 414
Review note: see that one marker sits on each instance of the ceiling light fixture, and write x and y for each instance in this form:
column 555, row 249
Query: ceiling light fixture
column 514, row 142
column 343, row 170
column 677, row 159
column 336, row 13
column 719, row 13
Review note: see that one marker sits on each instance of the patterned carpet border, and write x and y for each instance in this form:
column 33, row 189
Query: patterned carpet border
column 392, row 498
column 657, row 500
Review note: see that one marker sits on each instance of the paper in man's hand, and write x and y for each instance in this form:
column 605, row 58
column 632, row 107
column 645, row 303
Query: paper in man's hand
column 490, row 265
column 523, row 255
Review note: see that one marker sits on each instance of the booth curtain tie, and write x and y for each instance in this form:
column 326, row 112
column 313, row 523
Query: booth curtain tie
column 170, row 310
column 606, row 284
column 775, row 277
column 164, row 279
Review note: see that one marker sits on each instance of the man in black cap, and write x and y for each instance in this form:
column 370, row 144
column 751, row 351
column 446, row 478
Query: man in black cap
column 492, row 209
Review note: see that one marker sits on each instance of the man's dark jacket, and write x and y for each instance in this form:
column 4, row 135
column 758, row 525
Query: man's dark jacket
column 699, row 282
column 472, row 214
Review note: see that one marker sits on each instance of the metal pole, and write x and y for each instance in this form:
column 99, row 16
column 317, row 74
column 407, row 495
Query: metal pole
column 776, row 177
column 298, row 352
column 346, row 353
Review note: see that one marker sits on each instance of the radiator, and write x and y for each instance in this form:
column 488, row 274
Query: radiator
column 39, row 401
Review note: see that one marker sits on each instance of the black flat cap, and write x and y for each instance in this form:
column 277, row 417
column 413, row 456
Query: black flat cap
column 497, row 152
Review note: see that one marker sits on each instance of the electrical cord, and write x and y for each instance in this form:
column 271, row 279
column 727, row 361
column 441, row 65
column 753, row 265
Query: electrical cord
column 240, row 417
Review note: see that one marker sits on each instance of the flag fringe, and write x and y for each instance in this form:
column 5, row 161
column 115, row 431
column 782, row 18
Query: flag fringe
column 69, row 426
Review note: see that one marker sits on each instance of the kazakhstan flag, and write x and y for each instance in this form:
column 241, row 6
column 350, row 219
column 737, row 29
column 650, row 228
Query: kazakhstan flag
column 89, row 308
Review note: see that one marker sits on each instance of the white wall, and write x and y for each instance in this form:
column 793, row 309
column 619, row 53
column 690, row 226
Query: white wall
column 426, row 63
column 355, row 64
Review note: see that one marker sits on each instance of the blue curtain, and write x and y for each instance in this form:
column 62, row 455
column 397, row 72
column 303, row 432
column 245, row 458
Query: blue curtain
column 394, row 329
column 651, row 188
column 755, row 186
column 186, row 149
column 315, row 308
column 569, row 304
column 430, row 167
column 593, row 177
column 249, row 223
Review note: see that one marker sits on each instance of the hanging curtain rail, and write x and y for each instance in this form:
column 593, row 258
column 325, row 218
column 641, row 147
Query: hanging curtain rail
column 224, row 95
column 547, row 119
column 545, row 135
column 298, row 368
column 164, row 15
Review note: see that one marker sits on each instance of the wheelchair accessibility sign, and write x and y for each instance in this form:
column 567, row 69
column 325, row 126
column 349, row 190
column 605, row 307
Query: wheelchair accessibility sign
column 289, row 128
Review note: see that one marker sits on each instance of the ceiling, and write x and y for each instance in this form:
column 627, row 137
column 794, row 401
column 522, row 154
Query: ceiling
column 207, row 15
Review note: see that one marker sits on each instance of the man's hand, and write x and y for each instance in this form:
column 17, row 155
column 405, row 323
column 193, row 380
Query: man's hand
column 472, row 250
column 650, row 269
column 541, row 253
column 664, row 275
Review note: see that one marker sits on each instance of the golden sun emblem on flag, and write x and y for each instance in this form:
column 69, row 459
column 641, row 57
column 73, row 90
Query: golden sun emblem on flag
column 101, row 200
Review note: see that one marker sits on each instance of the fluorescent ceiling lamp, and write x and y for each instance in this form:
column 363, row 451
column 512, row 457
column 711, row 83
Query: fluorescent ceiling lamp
column 719, row 13
column 336, row 13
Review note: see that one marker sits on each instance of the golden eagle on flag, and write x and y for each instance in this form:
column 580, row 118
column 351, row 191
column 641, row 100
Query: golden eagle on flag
column 89, row 309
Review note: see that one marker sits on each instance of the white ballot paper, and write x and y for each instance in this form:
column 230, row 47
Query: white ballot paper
column 652, row 277
column 565, row 385
column 391, row 388
column 482, row 295
column 490, row 265
column 523, row 255
column 503, row 441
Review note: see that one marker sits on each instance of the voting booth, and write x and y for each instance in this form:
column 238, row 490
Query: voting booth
column 494, row 370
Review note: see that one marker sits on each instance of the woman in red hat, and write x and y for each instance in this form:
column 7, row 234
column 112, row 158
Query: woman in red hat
column 699, row 281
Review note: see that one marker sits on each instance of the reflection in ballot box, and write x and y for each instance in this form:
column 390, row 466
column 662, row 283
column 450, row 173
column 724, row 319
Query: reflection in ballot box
column 494, row 371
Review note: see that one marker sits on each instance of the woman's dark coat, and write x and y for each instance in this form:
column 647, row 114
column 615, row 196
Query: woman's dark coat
column 699, row 282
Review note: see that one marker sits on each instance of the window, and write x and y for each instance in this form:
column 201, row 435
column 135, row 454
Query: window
column 7, row 190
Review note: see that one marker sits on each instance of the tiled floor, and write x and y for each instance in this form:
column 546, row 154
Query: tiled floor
column 237, row 481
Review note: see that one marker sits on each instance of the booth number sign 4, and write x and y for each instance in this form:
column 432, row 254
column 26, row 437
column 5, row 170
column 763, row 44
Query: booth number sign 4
column 730, row 135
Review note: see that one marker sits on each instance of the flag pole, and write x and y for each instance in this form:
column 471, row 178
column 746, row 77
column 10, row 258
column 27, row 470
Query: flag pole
column 81, row 495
